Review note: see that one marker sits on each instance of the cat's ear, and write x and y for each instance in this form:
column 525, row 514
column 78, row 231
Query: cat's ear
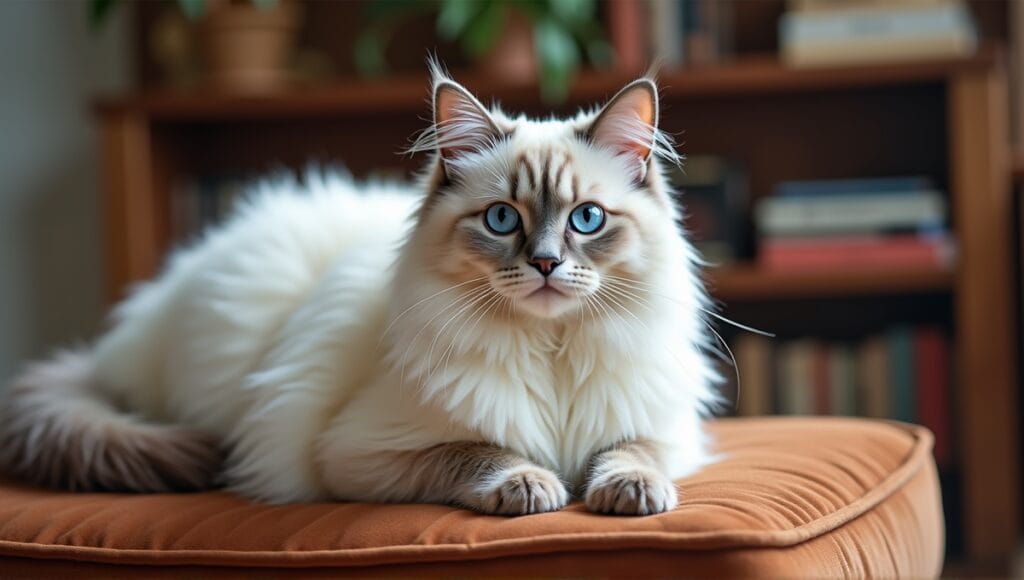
column 628, row 125
column 462, row 124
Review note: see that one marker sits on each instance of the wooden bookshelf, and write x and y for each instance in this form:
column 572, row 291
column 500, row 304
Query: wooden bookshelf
column 749, row 76
column 944, row 119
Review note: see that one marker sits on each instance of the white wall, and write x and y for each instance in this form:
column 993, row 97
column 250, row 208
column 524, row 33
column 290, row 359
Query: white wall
column 51, row 66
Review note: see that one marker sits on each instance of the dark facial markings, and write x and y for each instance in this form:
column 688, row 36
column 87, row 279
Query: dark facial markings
column 486, row 246
column 603, row 247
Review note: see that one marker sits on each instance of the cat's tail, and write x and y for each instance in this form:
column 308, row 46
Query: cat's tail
column 56, row 430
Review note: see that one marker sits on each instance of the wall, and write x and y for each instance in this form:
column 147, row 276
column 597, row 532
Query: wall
column 51, row 65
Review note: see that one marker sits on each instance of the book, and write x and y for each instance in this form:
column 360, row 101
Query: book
column 873, row 377
column 626, row 30
column 714, row 194
column 667, row 39
column 876, row 34
column 931, row 375
column 866, row 186
column 901, row 374
column 842, row 379
column 856, row 252
column 850, row 213
column 795, row 378
column 821, row 379
column 754, row 360
column 837, row 5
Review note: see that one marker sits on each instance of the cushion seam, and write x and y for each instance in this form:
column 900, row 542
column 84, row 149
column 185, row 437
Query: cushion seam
column 700, row 541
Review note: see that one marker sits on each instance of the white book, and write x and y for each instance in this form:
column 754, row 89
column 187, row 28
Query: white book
column 876, row 35
column 846, row 214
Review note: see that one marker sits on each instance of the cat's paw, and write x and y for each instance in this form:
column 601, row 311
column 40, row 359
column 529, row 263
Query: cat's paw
column 637, row 491
column 526, row 489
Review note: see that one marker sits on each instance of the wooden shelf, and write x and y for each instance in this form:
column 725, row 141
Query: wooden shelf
column 748, row 282
column 746, row 76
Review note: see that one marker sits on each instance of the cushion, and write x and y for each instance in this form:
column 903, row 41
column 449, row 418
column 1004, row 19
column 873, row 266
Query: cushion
column 808, row 497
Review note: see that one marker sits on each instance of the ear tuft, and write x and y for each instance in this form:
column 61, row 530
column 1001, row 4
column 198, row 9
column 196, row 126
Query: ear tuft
column 628, row 125
column 461, row 124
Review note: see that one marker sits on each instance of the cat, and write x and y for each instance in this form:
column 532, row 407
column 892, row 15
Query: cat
column 523, row 327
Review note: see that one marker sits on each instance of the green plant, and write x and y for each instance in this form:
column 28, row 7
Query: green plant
column 565, row 32
column 100, row 10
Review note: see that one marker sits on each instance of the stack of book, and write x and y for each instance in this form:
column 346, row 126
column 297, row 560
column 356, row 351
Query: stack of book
column 903, row 374
column 672, row 33
column 875, row 222
column 841, row 32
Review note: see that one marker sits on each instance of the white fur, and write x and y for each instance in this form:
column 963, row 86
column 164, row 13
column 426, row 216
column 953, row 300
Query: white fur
column 270, row 334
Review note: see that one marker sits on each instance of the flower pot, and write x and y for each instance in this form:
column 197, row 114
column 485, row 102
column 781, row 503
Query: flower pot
column 247, row 48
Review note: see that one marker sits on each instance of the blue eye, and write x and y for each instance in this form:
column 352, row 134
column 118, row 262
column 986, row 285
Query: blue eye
column 587, row 218
column 501, row 218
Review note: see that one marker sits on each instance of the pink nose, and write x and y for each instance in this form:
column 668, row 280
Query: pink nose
column 544, row 264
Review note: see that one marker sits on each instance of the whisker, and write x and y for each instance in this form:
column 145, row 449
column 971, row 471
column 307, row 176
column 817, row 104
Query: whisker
column 434, row 295
column 437, row 335
column 479, row 312
column 643, row 286
column 735, row 366
column 468, row 295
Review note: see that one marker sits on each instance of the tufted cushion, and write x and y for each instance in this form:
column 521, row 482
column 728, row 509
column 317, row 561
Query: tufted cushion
column 790, row 497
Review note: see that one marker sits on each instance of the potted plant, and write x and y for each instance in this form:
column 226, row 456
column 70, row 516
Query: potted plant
column 544, row 40
column 246, row 45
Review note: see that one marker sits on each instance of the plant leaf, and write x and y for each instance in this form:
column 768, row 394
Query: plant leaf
column 559, row 58
column 573, row 11
column 484, row 30
column 455, row 17
column 368, row 53
column 99, row 12
column 193, row 9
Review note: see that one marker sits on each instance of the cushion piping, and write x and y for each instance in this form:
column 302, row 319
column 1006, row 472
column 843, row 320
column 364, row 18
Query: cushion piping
column 577, row 541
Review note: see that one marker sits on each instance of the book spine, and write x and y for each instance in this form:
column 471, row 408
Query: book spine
column 872, row 25
column 842, row 377
column 821, row 379
column 626, row 25
column 931, row 371
column 825, row 253
column 873, row 378
column 848, row 213
column 901, row 372
column 666, row 33
column 754, row 359
column 859, row 187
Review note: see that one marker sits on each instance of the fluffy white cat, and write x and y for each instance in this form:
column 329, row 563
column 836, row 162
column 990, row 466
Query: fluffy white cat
column 524, row 326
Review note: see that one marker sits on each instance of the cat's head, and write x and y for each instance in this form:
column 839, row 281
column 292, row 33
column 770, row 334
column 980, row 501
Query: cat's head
column 548, row 215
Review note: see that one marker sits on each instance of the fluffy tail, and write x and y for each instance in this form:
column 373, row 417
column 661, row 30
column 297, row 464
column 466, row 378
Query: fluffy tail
column 57, row 432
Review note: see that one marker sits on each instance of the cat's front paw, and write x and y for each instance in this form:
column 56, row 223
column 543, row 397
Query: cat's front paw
column 521, row 490
column 637, row 491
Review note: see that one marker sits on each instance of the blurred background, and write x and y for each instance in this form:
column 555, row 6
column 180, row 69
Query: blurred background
column 852, row 173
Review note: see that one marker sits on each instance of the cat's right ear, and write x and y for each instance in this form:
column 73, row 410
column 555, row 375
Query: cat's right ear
column 462, row 124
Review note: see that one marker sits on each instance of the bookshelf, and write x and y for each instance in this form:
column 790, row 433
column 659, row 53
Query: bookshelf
column 943, row 119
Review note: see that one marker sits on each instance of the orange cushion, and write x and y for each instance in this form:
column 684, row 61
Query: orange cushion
column 791, row 497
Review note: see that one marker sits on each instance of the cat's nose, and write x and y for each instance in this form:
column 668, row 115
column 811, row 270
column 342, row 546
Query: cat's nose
column 545, row 264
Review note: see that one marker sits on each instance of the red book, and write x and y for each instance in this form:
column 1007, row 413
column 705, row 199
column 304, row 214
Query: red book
column 627, row 29
column 931, row 373
column 907, row 250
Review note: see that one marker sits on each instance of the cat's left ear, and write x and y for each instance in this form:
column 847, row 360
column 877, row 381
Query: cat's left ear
column 462, row 124
column 628, row 125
